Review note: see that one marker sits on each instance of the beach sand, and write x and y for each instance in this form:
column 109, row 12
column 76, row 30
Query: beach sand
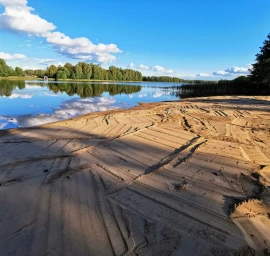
column 190, row 177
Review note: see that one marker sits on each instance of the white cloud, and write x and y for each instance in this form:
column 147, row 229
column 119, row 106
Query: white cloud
column 67, row 109
column 2, row 125
column 158, row 69
column 23, row 96
column 186, row 76
column 51, row 94
column 131, row 65
column 144, row 67
column 160, row 93
column 46, row 61
column 75, row 107
column 221, row 73
column 141, row 95
column 18, row 17
column 162, row 70
column 82, row 48
column 233, row 71
column 203, row 75
column 7, row 56
column 27, row 121
column 30, row 67
column 237, row 70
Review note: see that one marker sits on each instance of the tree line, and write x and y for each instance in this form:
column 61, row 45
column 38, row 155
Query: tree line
column 163, row 79
column 169, row 79
column 82, row 70
column 6, row 70
column 87, row 71
column 8, row 86
column 93, row 90
column 239, row 86
column 83, row 90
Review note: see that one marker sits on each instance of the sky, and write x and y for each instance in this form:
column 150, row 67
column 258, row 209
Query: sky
column 191, row 39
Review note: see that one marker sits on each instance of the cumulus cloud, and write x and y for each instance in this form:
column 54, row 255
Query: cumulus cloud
column 237, row 70
column 7, row 56
column 22, row 96
column 144, row 67
column 18, row 17
column 161, row 70
column 203, row 75
column 75, row 107
column 233, row 71
column 82, row 48
column 131, row 65
column 158, row 69
column 66, row 110
column 221, row 73
column 28, row 120
column 160, row 93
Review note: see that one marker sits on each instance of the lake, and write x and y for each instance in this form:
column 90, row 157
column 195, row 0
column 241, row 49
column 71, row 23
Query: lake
column 30, row 103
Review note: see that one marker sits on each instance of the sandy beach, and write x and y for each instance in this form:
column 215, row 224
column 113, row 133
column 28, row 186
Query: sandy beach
column 190, row 177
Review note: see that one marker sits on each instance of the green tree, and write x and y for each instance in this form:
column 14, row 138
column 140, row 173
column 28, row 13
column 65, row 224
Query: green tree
column 61, row 74
column 97, row 72
column 19, row 72
column 52, row 70
column 261, row 69
column 112, row 73
column 86, row 70
column 5, row 70
column 39, row 73
column 66, row 71
column 69, row 67
column 78, row 71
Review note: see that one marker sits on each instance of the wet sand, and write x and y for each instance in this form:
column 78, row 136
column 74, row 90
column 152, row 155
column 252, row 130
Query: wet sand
column 176, row 178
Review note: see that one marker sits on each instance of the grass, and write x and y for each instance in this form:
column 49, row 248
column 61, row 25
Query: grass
column 19, row 78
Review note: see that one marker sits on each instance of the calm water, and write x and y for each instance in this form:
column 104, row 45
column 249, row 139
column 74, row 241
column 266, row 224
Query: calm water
column 29, row 103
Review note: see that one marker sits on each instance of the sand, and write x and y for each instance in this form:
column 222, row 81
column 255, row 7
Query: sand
column 176, row 178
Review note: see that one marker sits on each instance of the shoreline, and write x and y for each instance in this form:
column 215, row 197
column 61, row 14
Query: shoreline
column 177, row 177
column 77, row 80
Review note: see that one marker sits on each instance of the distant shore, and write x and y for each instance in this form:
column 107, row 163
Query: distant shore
column 75, row 80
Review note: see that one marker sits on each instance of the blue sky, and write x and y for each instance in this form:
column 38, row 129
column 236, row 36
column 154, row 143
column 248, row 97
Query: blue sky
column 191, row 39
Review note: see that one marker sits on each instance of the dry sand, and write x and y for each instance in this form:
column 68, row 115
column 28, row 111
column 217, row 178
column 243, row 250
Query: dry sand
column 175, row 178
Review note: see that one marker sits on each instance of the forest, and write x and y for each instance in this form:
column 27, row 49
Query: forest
column 82, row 70
column 85, row 71
column 6, row 71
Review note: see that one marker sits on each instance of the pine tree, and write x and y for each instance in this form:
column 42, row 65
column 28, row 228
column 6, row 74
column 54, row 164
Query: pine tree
column 261, row 69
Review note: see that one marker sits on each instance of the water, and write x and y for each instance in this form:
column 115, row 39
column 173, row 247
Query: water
column 29, row 103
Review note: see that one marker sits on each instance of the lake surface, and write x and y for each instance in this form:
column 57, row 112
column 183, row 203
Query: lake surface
column 29, row 103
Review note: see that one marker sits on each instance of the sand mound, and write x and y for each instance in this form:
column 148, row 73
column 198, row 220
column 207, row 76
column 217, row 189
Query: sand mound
column 251, row 208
